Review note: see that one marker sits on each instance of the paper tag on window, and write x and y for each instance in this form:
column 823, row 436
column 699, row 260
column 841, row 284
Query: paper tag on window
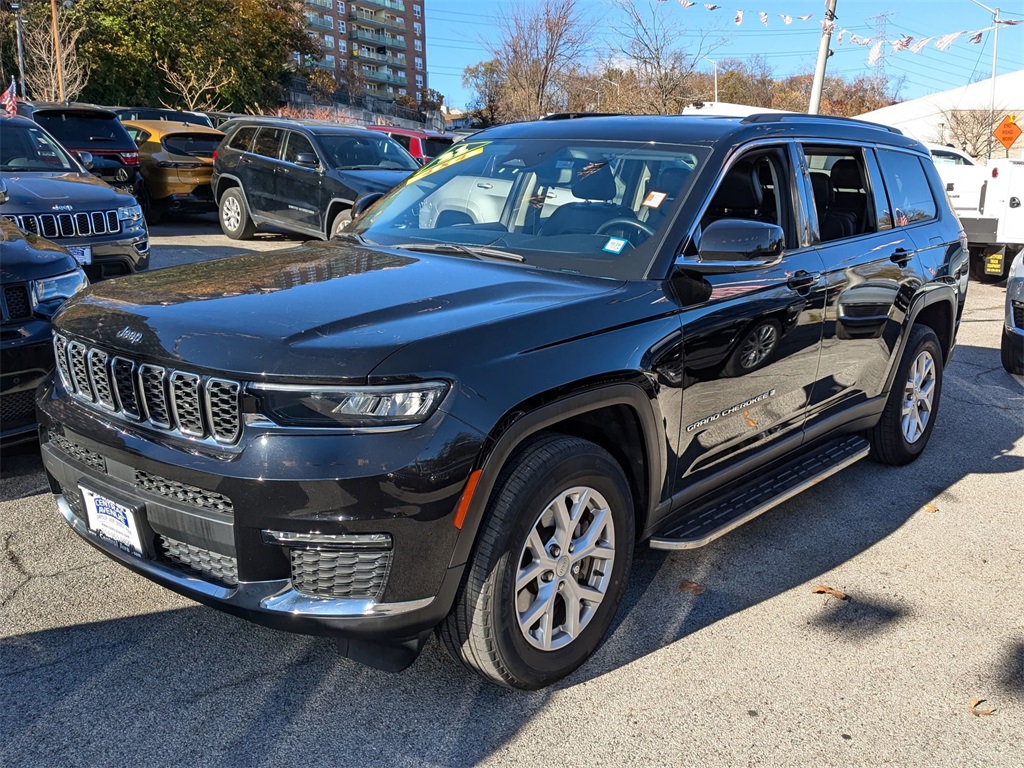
column 654, row 199
column 615, row 245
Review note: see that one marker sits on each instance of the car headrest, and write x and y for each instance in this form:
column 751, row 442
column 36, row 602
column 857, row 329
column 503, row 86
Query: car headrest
column 824, row 195
column 846, row 175
column 671, row 180
column 599, row 185
column 740, row 189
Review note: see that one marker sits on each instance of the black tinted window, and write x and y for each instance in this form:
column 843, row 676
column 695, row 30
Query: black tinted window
column 842, row 197
column 910, row 197
column 268, row 142
column 195, row 144
column 297, row 144
column 242, row 138
column 78, row 129
column 434, row 147
column 405, row 141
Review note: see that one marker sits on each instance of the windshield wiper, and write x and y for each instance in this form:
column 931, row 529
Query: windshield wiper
column 352, row 237
column 477, row 251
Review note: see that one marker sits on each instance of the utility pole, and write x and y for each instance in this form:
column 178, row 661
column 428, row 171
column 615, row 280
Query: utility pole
column 56, row 49
column 713, row 61
column 16, row 7
column 823, row 54
column 995, row 55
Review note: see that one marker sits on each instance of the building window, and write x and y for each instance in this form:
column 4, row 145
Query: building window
column 329, row 41
column 417, row 28
column 419, row 63
column 341, row 6
column 419, row 81
column 416, row 11
column 402, row 92
column 418, row 44
column 341, row 27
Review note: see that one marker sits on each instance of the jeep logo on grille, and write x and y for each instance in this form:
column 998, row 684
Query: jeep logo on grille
column 62, row 208
column 132, row 337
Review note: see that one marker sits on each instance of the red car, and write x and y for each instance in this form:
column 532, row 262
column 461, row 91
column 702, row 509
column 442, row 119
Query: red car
column 423, row 145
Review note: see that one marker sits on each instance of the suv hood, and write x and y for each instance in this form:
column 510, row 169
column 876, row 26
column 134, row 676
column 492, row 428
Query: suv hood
column 27, row 257
column 324, row 309
column 39, row 192
column 365, row 182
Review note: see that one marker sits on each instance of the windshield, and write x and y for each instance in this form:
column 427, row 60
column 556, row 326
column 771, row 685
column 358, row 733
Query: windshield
column 362, row 153
column 28, row 148
column 595, row 208
column 78, row 129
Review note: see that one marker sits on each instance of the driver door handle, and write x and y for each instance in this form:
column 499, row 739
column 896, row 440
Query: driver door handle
column 801, row 280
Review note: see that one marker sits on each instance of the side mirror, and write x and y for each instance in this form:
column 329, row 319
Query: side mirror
column 307, row 160
column 85, row 158
column 738, row 245
column 364, row 203
column 4, row 195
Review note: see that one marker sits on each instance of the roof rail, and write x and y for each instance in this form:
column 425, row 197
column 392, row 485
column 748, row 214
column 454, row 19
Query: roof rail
column 573, row 115
column 774, row 117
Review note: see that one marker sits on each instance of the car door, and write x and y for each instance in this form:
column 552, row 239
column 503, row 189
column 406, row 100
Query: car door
column 299, row 187
column 871, row 272
column 751, row 348
column 257, row 170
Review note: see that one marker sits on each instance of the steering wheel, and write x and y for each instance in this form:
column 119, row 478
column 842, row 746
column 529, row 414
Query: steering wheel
column 624, row 221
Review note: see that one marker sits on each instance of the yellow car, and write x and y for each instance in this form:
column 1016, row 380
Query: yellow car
column 177, row 161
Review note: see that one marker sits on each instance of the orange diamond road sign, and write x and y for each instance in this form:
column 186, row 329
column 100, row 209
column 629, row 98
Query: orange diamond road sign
column 1007, row 131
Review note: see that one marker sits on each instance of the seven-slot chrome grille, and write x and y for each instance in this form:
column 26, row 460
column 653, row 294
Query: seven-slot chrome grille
column 176, row 401
column 69, row 224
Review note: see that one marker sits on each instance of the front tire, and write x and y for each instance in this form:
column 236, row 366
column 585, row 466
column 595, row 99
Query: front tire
column 909, row 414
column 234, row 215
column 340, row 221
column 1011, row 350
column 549, row 568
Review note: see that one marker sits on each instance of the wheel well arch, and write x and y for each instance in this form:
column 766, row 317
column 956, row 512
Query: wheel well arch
column 336, row 206
column 939, row 317
column 617, row 417
column 224, row 184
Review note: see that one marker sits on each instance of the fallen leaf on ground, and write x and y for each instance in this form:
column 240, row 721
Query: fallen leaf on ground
column 691, row 586
column 930, row 508
column 821, row 589
column 974, row 710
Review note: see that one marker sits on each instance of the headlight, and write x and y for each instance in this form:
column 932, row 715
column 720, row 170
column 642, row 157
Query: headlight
column 130, row 213
column 384, row 406
column 60, row 287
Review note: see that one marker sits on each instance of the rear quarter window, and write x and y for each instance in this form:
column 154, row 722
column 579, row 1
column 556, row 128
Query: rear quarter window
column 242, row 138
column 910, row 195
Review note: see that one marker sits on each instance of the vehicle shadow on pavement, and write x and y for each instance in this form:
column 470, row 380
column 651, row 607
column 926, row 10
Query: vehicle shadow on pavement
column 198, row 686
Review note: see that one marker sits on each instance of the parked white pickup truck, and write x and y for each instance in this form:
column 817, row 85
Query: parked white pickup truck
column 987, row 198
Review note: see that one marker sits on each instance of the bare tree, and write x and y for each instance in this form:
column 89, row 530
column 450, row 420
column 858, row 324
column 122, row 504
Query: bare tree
column 40, row 59
column 969, row 129
column 662, row 68
column 535, row 47
column 196, row 81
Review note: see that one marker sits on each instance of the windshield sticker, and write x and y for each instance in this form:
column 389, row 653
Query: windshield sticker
column 590, row 168
column 654, row 199
column 615, row 245
column 461, row 151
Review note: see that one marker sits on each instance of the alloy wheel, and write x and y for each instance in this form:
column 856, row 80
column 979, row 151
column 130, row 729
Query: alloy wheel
column 231, row 213
column 919, row 393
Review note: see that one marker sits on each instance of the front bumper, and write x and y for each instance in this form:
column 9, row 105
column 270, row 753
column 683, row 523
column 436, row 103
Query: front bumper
column 217, row 507
column 25, row 362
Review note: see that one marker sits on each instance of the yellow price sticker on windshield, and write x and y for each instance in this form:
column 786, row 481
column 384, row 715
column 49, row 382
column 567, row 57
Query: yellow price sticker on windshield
column 461, row 151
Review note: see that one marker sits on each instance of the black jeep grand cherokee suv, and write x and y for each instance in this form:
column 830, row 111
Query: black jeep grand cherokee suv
column 558, row 340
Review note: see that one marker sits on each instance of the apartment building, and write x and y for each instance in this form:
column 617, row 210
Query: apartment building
column 384, row 39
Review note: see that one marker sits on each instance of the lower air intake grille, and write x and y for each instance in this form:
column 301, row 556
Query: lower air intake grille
column 16, row 303
column 323, row 573
column 18, row 406
column 186, row 494
column 1018, row 313
column 78, row 452
column 211, row 566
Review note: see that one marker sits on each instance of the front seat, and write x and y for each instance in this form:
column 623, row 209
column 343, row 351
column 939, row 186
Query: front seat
column 586, row 218
column 738, row 196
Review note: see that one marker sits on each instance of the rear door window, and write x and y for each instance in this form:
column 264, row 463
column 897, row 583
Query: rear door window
column 402, row 139
column 910, row 196
column 435, row 146
column 843, row 200
column 268, row 142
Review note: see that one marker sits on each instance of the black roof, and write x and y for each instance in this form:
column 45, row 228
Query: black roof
column 76, row 106
column 315, row 126
column 705, row 129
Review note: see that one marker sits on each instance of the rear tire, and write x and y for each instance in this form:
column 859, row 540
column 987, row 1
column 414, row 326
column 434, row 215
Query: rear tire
column 549, row 567
column 234, row 215
column 151, row 209
column 1011, row 350
column 909, row 414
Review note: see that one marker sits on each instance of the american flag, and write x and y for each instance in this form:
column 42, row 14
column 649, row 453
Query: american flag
column 10, row 99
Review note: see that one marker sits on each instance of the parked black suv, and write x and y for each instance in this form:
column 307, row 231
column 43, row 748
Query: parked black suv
column 53, row 196
column 36, row 276
column 96, row 137
column 468, row 422
column 302, row 176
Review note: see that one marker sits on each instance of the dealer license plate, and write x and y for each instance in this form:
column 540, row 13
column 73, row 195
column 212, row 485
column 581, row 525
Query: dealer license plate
column 82, row 253
column 112, row 521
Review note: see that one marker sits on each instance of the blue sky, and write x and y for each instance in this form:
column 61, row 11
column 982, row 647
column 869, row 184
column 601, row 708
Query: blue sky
column 458, row 29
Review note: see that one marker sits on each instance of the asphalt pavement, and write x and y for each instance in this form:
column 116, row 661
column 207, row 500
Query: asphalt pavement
column 720, row 656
